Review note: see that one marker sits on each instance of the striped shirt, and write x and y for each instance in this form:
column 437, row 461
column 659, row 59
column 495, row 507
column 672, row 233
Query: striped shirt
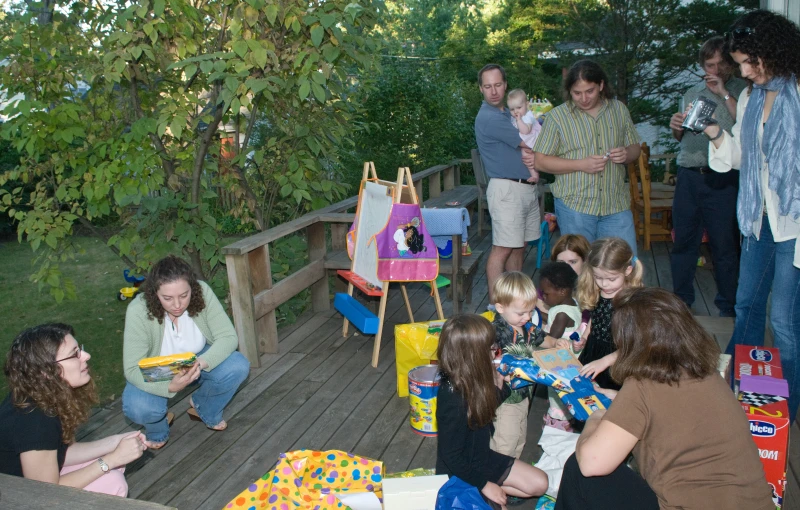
column 570, row 133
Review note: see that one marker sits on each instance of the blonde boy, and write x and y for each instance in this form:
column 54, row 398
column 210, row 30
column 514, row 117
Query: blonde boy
column 524, row 121
column 515, row 301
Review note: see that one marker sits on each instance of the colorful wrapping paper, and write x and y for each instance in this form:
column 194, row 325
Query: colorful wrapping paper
column 310, row 480
column 577, row 393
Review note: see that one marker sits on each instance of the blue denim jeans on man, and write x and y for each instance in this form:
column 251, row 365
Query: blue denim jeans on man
column 594, row 227
column 767, row 266
column 215, row 391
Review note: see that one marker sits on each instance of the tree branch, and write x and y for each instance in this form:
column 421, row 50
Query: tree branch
column 98, row 233
column 169, row 164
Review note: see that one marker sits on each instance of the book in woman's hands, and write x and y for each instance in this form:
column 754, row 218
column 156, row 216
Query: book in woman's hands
column 164, row 368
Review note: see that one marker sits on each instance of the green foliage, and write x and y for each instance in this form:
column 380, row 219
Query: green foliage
column 417, row 116
column 648, row 48
column 123, row 106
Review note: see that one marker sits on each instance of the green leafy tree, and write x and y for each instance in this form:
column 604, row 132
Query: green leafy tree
column 125, row 106
column 647, row 47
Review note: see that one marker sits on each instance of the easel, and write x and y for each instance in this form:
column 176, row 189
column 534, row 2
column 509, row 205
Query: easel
column 400, row 192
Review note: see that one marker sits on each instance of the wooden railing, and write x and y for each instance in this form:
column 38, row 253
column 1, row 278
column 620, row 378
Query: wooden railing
column 254, row 294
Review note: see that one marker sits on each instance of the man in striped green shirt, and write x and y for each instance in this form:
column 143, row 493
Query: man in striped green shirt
column 587, row 143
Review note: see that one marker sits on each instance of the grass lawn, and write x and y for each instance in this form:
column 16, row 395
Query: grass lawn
column 97, row 316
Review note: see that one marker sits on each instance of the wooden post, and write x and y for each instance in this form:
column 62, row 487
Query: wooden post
column 457, row 173
column 435, row 185
column 449, row 178
column 376, row 347
column 261, row 279
column 339, row 243
column 243, row 307
column 455, row 284
column 418, row 187
column 320, row 294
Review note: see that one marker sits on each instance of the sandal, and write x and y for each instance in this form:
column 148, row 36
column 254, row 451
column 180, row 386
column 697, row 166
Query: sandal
column 219, row 427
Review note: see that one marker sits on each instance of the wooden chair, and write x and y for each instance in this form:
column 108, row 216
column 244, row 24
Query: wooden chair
column 644, row 204
column 483, row 182
column 658, row 190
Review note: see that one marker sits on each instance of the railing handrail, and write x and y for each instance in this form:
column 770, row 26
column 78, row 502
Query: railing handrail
column 259, row 239
column 254, row 293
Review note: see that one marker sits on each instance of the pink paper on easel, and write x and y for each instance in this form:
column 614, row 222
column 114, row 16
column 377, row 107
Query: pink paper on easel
column 406, row 251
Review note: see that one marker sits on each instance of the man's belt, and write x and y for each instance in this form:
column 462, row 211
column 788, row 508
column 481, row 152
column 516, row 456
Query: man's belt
column 699, row 169
column 521, row 181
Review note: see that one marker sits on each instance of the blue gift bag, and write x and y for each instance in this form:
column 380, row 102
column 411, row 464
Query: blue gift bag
column 457, row 494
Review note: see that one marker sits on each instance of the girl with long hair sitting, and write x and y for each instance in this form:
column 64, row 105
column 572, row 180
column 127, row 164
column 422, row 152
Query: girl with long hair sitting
column 470, row 392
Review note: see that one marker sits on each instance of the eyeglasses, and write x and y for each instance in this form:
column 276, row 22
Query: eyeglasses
column 77, row 355
column 740, row 33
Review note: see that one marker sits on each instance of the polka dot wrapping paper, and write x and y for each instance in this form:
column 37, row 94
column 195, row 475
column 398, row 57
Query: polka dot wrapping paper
column 310, row 480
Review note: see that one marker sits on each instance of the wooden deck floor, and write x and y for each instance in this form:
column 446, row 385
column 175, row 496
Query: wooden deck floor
column 320, row 392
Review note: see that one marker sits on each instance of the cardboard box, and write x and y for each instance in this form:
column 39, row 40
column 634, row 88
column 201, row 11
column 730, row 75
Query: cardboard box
column 416, row 493
column 749, row 360
column 769, row 424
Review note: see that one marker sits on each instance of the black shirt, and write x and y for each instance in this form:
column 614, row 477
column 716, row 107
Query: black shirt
column 23, row 430
column 462, row 451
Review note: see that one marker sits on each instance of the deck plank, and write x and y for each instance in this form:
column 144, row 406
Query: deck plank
column 320, row 392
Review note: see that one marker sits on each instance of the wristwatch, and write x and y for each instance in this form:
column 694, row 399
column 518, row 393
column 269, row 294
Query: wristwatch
column 727, row 96
column 103, row 465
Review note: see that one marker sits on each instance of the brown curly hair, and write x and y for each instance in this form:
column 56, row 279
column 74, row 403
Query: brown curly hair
column 770, row 37
column 168, row 270
column 35, row 379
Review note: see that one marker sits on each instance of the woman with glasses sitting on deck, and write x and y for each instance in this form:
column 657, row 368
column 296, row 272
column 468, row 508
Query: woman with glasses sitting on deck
column 51, row 394
column 765, row 146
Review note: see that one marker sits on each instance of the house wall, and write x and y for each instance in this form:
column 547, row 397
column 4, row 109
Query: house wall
column 789, row 8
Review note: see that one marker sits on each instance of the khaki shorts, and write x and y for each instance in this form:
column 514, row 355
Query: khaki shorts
column 510, row 429
column 515, row 213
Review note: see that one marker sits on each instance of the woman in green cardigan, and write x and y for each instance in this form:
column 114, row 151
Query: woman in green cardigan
column 176, row 313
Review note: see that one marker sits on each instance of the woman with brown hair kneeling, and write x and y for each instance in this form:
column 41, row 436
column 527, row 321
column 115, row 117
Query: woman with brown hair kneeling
column 176, row 313
column 51, row 395
column 688, row 433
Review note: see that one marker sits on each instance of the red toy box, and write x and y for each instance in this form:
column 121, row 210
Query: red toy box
column 768, row 415
column 749, row 360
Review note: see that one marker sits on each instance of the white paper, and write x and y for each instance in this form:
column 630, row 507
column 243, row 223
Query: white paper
column 360, row 500
column 558, row 446
column 373, row 215
column 416, row 493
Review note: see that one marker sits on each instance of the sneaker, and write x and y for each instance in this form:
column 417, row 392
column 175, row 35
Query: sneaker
column 515, row 501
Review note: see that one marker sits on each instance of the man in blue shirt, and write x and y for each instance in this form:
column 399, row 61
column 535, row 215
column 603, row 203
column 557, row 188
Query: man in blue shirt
column 511, row 195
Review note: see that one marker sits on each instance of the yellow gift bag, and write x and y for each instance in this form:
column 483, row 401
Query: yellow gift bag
column 310, row 480
column 415, row 344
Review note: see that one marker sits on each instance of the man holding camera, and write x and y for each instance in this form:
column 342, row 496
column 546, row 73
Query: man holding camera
column 705, row 199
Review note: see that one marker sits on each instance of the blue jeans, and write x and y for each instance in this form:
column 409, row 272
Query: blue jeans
column 594, row 227
column 216, row 389
column 767, row 266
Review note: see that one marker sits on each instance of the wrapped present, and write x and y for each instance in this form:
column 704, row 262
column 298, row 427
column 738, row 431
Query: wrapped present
column 311, row 480
column 415, row 344
column 164, row 368
column 577, row 393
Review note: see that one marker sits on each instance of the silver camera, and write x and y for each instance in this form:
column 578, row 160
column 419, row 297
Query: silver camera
column 700, row 115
